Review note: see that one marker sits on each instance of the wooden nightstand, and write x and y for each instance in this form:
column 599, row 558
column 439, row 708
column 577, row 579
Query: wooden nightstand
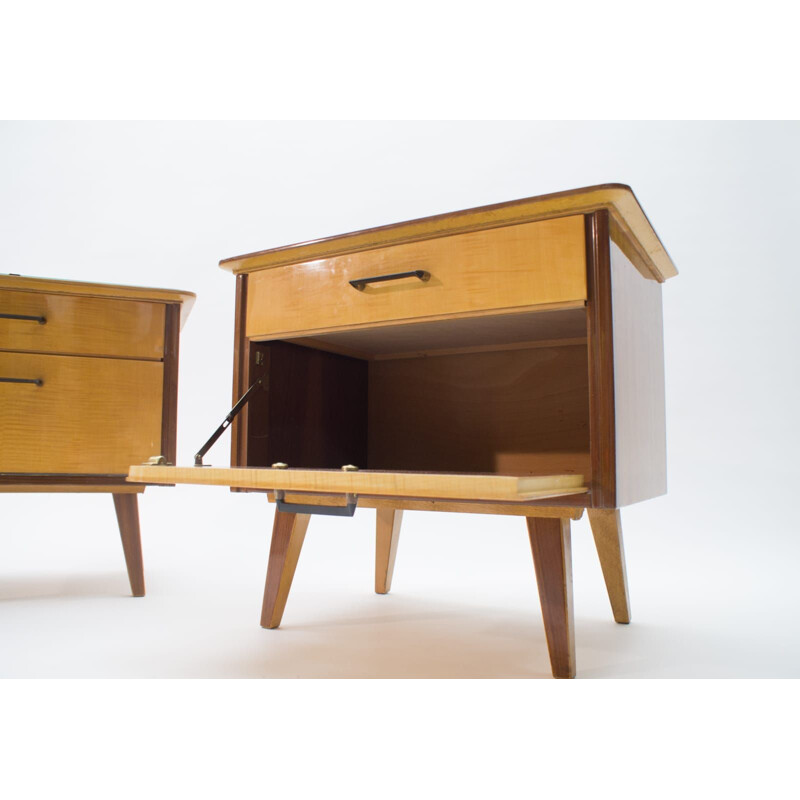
column 88, row 386
column 500, row 360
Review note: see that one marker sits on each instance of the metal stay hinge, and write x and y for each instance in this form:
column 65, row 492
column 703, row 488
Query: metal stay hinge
column 240, row 404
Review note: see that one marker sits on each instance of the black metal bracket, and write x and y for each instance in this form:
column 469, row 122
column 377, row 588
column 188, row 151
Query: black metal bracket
column 40, row 320
column 361, row 283
column 329, row 511
column 241, row 403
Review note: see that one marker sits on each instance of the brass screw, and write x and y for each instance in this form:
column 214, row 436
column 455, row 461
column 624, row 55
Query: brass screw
column 349, row 468
column 280, row 465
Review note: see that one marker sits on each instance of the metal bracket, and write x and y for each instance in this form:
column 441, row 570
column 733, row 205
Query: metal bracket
column 241, row 403
column 329, row 511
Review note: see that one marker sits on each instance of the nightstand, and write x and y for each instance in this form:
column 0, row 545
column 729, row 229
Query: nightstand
column 500, row 360
column 88, row 386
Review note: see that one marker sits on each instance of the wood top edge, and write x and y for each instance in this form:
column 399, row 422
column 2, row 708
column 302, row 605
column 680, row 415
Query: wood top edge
column 618, row 198
column 30, row 283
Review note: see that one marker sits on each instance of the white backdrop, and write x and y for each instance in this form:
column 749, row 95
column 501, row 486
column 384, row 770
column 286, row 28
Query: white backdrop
column 712, row 565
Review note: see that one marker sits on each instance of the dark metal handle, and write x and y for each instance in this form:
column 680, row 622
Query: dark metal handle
column 329, row 511
column 37, row 381
column 361, row 283
column 40, row 320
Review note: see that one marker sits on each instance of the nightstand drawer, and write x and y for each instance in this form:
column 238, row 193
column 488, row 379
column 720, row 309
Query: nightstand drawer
column 61, row 323
column 531, row 264
column 88, row 415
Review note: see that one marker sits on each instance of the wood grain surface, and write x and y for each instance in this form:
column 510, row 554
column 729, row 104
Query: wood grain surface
column 629, row 223
column 91, row 415
column 392, row 484
column 82, row 325
column 523, row 265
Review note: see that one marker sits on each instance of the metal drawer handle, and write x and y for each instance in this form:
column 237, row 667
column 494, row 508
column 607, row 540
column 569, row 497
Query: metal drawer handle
column 40, row 320
column 37, row 381
column 361, row 283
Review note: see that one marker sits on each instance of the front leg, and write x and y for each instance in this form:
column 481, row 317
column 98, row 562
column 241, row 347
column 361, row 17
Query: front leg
column 288, row 533
column 552, row 558
column 127, row 509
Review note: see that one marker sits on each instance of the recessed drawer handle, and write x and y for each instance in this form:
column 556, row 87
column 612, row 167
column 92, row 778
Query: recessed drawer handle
column 26, row 317
column 361, row 283
column 37, row 381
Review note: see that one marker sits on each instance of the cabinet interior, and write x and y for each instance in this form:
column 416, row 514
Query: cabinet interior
column 500, row 394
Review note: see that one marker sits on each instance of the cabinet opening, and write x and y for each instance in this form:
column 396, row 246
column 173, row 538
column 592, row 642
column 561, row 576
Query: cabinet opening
column 494, row 395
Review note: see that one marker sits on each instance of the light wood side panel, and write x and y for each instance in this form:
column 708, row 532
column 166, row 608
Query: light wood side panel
column 91, row 415
column 513, row 267
column 639, row 392
column 82, row 325
column 392, row 484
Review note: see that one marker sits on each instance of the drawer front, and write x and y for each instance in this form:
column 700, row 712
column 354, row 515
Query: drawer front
column 518, row 266
column 89, row 415
column 82, row 325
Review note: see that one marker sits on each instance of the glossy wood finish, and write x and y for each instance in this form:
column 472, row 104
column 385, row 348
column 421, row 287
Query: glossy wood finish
column 629, row 224
column 392, row 484
column 515, row 267
column 127, row 510
column 607, row 532
column 387, row 536
column 639, row 390
column 25, row 283
column 288, row 533
column 91, row 415
column 552, row 559
column 82, row 325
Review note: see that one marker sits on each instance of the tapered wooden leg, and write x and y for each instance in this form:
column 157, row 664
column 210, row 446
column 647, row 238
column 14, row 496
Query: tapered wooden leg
column 386, row 538
column 127, row 510
column 288, row 533
column 607, row 530
column 552, row 558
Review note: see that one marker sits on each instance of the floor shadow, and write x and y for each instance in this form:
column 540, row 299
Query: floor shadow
column 76, row 586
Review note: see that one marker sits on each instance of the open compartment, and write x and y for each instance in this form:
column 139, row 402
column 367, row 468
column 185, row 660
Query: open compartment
column 492, row 395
